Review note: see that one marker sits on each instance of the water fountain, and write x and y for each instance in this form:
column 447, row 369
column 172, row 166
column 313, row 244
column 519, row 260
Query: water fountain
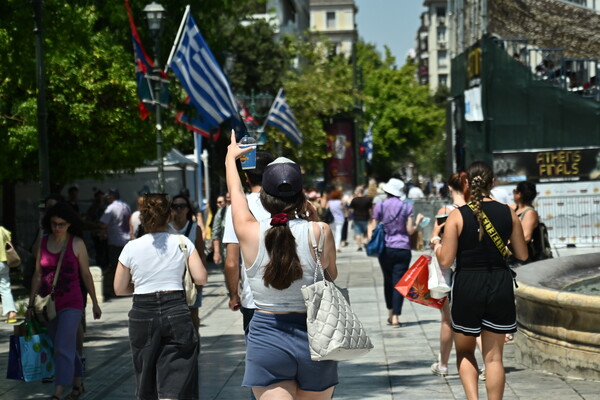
column 559, row 330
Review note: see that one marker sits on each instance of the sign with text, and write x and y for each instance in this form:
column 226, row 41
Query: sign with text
column 546, row 166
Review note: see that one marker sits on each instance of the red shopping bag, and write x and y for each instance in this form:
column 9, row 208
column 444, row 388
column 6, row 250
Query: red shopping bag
column 413, row 284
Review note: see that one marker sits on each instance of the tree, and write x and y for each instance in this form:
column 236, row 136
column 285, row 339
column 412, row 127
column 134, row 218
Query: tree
column 406, row 118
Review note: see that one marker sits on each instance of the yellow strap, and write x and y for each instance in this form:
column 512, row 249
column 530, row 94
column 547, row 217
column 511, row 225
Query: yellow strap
column 487, row 224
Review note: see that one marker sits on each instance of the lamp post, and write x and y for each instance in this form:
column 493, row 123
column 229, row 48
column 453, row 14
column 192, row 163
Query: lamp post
column 155, row 15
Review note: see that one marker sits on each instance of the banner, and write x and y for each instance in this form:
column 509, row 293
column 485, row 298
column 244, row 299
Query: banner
column 547, row 166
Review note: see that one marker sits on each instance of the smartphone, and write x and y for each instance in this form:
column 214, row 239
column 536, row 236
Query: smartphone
column 441, row 218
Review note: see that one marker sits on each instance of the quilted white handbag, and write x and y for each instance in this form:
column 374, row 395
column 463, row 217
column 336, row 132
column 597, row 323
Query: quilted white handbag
column 334, row 331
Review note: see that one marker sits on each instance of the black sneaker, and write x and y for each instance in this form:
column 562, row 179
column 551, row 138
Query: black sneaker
column 359, row 249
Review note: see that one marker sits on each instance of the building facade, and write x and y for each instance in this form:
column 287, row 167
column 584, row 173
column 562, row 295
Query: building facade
column 290, row 17
column 433, row 48
column 336, row 21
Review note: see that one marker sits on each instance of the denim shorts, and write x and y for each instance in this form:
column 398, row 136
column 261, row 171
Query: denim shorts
column 277, row 351
column 164, row 346
column 360, row 228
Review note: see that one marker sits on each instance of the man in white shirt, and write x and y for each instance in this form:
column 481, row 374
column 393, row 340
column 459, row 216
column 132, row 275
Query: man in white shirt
column 242, row 300
column 116, row 222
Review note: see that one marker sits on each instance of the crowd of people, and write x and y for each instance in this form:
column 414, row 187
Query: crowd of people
column 260, row 238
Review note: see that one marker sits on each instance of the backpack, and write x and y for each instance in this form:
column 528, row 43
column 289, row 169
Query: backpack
column 539, row 247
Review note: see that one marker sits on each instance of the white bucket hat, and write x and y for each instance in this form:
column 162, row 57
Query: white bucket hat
column 394, row 187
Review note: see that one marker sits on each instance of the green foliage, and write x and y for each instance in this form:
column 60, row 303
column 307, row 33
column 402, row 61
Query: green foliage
column 407, row 121
column 322, row 89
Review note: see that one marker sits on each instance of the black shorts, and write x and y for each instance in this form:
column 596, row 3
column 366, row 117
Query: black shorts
column 483, row 299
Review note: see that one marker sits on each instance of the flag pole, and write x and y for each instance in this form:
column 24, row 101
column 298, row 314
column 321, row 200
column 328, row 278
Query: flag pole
column 177, row 37
column 270, row 109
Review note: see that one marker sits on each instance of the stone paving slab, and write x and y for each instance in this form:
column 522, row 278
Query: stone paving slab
column 397, row 368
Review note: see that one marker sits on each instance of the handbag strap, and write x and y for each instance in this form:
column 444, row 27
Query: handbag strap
column 318, row 248
column 183, row 248
column 489, row 227
column 59, row 264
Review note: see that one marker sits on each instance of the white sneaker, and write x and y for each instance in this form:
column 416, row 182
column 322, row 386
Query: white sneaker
column 439, row 371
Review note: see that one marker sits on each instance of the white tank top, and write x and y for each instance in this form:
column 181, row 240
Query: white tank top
column 289, row 300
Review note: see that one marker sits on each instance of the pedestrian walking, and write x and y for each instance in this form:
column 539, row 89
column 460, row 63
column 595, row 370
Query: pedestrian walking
column 397, row 217
column 183, row 223
column 278, row 261
column 360, row 207
column 64, row 234
column 336, row 206
column 483, row 301
column 164, row 342
column 8, row 302
column 115, row 221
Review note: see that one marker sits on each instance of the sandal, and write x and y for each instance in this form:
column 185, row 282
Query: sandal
column 75, row 393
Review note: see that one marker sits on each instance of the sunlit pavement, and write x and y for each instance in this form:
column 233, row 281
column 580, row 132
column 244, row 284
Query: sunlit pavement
column 397, row 368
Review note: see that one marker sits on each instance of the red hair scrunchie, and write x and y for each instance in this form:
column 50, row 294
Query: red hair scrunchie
column 279, row 219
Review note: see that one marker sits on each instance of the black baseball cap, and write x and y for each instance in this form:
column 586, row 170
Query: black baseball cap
column 282, row 178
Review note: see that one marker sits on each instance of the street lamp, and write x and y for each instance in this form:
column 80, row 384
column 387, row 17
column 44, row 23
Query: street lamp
column 155, row 15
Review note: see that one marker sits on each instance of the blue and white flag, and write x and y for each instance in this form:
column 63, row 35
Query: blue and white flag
column 367, row 144
column 204, row 81
column 281, row 117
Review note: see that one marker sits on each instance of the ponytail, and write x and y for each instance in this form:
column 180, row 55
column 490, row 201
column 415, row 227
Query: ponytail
column 284, row 265
column 481, row 178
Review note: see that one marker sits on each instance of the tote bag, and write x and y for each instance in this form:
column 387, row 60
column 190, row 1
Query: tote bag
column 334, row 331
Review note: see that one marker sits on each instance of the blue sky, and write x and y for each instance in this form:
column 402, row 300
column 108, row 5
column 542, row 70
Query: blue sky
column 389, row 22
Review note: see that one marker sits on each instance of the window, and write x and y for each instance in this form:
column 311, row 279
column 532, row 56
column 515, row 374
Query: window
column 442, row 58
column 441, row 33
column 441, row 12
column 443, row 80
column 330, row 19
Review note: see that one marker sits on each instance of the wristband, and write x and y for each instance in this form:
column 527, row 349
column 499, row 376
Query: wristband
column 434, row 239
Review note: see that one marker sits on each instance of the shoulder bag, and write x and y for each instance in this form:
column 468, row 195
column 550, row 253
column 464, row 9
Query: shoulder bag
column 376, row 244
column 43, row 306
column 334, row 331
column 188, row 283
column 12, row 257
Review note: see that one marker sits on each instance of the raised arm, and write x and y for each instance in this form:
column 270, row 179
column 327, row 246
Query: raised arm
column 245, row 225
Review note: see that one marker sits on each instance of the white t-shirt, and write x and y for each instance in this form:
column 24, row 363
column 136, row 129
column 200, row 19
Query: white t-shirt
column 229, row 236
column 156, row 262
column 501, row 195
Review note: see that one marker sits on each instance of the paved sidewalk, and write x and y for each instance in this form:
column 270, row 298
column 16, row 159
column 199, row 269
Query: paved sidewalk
column 397, row 368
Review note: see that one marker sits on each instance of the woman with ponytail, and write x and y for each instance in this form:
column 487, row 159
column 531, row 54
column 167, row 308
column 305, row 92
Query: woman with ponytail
column 279, row 260
column 483, row 301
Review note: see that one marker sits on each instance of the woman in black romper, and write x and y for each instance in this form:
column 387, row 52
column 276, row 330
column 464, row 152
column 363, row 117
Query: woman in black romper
column 483, row 301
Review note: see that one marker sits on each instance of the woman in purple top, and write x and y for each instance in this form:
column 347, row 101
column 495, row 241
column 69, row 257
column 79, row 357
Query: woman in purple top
column 397, row 218
column 60, row 221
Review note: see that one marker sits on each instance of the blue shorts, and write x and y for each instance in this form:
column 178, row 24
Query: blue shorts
column 360, row 228
column 277, row 351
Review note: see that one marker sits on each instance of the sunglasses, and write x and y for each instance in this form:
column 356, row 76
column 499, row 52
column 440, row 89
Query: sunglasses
column 220, row 202
column 178, row 206
column 58, row 224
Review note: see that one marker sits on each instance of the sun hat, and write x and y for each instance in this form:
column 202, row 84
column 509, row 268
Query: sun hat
column 282, row 178
column 394, row 187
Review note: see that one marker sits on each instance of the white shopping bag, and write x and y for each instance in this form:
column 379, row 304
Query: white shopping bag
column 439, row 279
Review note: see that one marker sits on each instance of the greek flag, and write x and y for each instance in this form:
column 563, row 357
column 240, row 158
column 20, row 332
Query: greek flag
column 204, row 81
column 281, row 117
column 367, row 144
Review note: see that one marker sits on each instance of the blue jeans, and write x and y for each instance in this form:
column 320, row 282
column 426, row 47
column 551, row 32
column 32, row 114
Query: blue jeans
column 164, row 346
column 394, row 263
column 8, row 303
